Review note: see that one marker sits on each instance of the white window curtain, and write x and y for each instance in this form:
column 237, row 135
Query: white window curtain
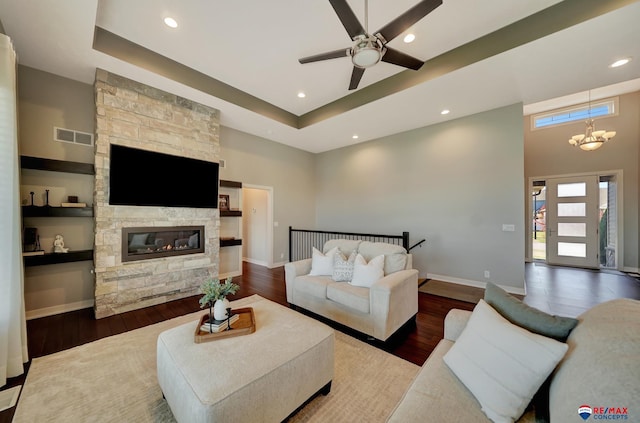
column 13, row 327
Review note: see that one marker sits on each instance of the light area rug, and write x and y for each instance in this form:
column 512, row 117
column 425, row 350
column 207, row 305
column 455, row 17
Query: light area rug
column 114, row 380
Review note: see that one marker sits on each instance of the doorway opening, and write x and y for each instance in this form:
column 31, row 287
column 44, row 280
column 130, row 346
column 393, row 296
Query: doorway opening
column 575, row 220
column 257, row 225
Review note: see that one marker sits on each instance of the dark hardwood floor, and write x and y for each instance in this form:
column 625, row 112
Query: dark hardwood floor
column 556, row 290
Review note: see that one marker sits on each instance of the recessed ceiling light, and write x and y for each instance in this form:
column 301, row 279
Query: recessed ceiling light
column 355, row 136
column 301, row 95
column 409, row 38
column 445, row 112
column 620, row 62
column 170, row 22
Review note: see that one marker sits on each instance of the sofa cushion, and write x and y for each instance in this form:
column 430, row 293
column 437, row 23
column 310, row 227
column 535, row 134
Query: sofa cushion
column 322, row 263
column 395, row 256
column 602, row 366
column 436, row 395
column 347, row 246
column 366, row 274
column 343, row 266
column 502, row 364
column 354, row 297
column 527, row 317
column 315, row 286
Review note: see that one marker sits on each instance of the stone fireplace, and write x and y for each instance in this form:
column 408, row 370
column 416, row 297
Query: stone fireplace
column 127, row 277
column 144, row 243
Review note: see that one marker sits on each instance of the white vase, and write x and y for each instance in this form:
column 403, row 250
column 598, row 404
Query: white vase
column 220, row 309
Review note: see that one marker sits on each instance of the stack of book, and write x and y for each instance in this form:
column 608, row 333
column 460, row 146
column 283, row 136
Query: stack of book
column 218, row 325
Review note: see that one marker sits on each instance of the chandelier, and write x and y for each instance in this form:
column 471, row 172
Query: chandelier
column 591, row 139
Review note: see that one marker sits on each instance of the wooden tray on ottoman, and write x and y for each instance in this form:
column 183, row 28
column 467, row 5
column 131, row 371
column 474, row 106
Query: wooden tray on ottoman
column 245, row 325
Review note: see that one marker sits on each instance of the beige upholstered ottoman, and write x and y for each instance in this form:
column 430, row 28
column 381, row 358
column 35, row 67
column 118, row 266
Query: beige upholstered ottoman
column 261, row 377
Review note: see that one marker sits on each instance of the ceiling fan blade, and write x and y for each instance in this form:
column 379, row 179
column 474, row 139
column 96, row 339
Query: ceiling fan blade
column 348, row 18
column 325, row 56
column 356, row 76
column 401, row 59
column 408, row 18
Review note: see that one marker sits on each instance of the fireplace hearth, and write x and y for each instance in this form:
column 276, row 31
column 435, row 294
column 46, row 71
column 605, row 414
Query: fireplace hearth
column 142, row 243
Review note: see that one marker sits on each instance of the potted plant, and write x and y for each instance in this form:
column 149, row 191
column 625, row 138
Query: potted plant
column 215, row 296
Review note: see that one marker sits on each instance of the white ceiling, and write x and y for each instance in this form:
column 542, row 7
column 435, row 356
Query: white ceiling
column 254, row 46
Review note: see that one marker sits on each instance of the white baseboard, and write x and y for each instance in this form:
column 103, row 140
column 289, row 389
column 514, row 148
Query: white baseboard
column 264, row 263
column 58, row 309
column 254, row 261
column 476, row 284
column 631, row 269
column 281, row 263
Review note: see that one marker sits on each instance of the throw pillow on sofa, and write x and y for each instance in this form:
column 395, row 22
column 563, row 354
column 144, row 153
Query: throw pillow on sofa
column 322, row 264
column 343, row 266
column 502, row 364
column 533, row 320
column 395, row 256
column 366, row 274
column 525, row 316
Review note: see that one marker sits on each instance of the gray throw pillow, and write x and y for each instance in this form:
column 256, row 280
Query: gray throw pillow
column 343, row 266
column 528, row 317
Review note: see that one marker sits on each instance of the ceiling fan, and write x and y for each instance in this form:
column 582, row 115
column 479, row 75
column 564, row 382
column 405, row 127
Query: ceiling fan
column 367, row 49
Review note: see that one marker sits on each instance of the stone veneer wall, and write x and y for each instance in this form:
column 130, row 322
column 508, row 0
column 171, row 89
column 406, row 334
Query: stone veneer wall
column 132, row 114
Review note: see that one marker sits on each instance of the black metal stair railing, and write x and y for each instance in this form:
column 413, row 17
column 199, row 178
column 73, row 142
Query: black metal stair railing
column 302, row 241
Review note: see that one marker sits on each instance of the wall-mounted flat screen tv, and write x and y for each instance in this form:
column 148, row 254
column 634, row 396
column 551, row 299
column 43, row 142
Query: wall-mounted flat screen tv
column 146, row 178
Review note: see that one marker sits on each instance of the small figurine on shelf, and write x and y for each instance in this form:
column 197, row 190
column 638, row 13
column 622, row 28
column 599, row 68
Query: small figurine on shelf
column 46, row 196
column 31, row 193
column 58, row 245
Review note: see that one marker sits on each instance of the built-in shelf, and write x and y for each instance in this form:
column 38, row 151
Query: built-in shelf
column 45, row 211
column 38, row 163
column 231, row 213
column 230, row 184
column 230, row 242
column 230, row 258
column 50, row 165
column 55, row 258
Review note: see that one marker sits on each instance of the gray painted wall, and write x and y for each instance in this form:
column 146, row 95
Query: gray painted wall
column 44, row 101
column 258, row 161
column 547, row 153
column 48, row 100
column 454, row 184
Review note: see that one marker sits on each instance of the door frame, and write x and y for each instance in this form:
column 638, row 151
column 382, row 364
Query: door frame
column 618, row 173
column 269, row 240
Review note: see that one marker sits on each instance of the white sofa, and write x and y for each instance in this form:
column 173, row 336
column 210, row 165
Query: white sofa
column 601, row 369
column 378, row 311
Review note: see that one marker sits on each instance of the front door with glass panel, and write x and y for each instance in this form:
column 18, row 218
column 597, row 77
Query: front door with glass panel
column 572, row 221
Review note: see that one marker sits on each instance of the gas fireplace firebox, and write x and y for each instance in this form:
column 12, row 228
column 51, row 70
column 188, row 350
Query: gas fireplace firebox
column 155, row 242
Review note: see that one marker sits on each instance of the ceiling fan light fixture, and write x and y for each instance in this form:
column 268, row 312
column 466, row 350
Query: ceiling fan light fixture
column 366, row 52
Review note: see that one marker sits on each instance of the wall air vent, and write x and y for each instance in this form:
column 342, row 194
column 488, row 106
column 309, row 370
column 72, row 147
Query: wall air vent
column 71, row 136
